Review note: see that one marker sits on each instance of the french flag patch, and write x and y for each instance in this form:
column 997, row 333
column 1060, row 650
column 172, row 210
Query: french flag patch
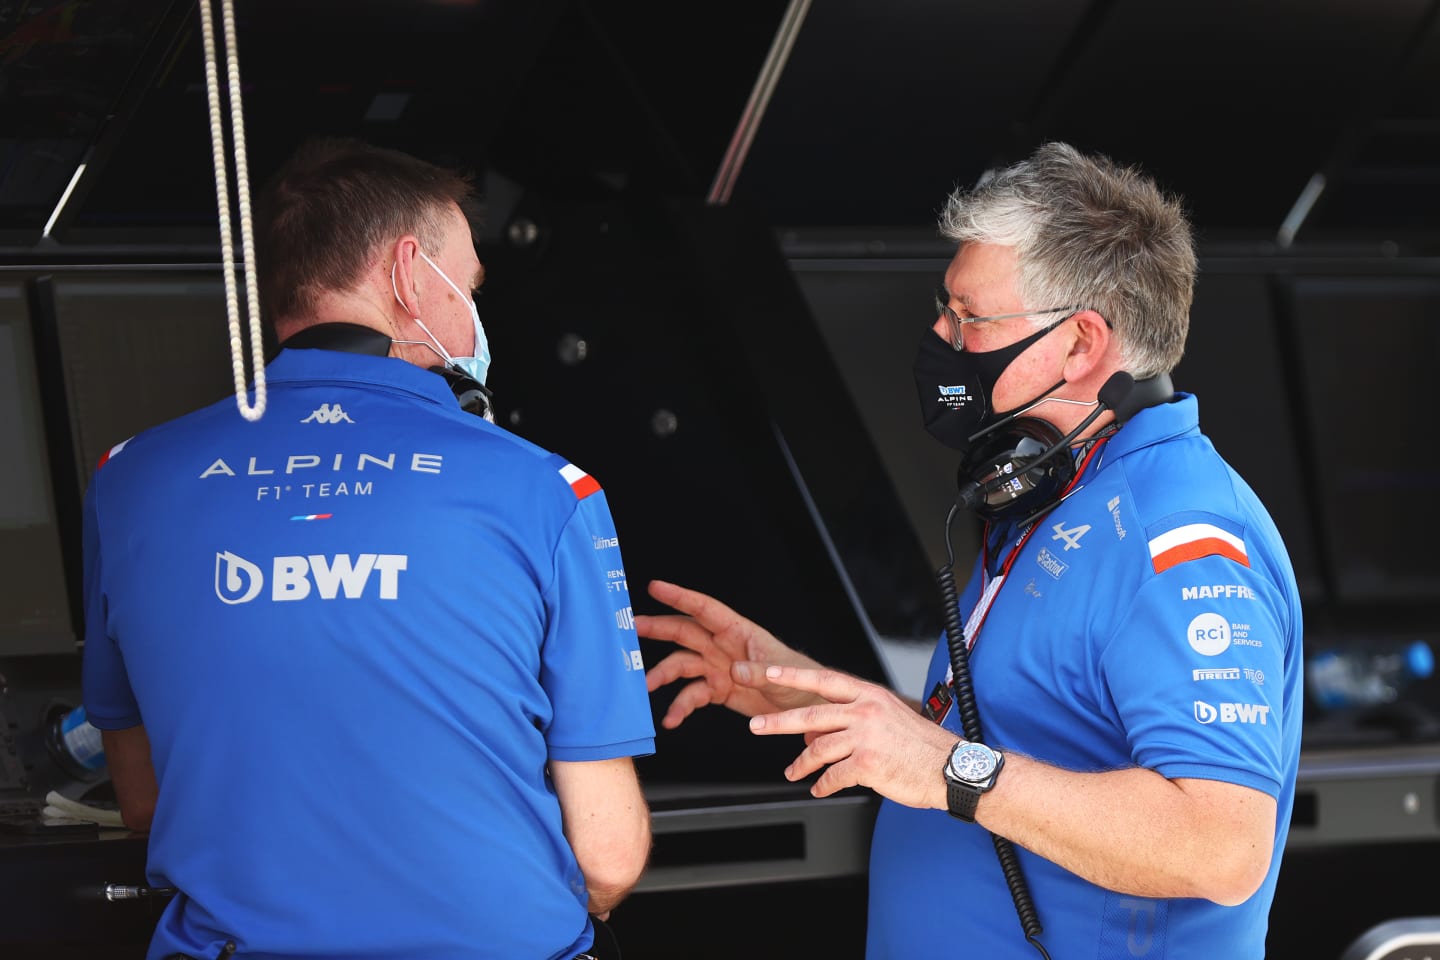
column 1191, row 541
column 110, row 453
column 581, row 482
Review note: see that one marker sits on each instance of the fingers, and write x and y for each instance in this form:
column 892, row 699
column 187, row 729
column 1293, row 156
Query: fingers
column 814, row 720
column 748, row 673
column 833, row 685
column 676, row 629
column 830, row 755
column 703, row 607
column 823, row 751
column 681, row 663
column 691, row 697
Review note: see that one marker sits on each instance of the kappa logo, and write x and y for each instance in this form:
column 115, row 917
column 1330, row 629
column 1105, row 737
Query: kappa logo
column 238, row 580
column 328, row 413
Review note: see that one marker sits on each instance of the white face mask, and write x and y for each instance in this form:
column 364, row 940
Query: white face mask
column 477, row 366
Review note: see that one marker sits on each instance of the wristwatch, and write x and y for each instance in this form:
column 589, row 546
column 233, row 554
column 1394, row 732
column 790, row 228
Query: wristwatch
column 971, row 770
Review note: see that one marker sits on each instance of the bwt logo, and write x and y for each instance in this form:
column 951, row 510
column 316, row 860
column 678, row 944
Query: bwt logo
column 1232, row 712
column 1209, row 633
column 952, row 391
column 237, row 580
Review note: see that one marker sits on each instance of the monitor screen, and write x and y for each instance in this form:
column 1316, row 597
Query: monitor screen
column 1235, row 365
column 1366, row 347
column 34, row 604
column 138, row 350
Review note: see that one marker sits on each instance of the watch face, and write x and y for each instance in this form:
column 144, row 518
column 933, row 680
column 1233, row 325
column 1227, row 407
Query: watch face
column 972, row 762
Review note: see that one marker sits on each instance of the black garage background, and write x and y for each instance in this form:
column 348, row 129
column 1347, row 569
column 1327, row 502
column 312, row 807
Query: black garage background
column 710, row 248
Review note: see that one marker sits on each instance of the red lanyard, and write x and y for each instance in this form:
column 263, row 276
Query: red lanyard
column 991, row 585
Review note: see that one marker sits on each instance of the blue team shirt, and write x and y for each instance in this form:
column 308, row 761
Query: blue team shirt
column 1151, row 620
column 355, row 632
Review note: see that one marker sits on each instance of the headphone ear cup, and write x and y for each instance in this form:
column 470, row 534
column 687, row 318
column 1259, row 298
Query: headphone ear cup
column 1001, row 467
column 473, row 395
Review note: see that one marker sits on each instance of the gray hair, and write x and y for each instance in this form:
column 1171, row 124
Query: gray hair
column 1087, row 231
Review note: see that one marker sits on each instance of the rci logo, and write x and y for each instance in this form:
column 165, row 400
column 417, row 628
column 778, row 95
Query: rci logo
column 237, row 580
column 1209, row 633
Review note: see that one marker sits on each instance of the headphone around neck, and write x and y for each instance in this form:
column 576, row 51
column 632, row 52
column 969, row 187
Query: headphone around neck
column 1023, row 468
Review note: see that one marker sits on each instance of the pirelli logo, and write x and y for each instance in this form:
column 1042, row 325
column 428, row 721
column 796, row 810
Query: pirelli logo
column 1216, row 673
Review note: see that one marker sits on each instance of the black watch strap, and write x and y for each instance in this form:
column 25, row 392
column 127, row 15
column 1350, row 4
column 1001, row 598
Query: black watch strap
column 961, row 799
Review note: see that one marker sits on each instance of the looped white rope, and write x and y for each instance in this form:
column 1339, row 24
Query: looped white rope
column 222, row 197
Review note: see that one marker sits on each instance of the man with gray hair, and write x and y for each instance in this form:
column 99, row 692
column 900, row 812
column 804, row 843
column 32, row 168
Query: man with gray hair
column 1106, row 749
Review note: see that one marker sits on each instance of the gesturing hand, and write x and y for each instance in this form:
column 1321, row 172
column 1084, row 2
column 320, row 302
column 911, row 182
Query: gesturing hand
column 861, row 734
column 724, row 653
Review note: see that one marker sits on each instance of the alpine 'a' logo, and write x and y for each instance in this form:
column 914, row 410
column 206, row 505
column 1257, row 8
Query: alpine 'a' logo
column 1070, row 535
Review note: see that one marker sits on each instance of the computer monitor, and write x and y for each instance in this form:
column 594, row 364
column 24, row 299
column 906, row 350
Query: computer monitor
column 1367, row 347
column 138, row 350
column 35, row 611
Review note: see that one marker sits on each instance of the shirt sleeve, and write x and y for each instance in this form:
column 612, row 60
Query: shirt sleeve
column 1196, row 672
column 105, row 685
column 591, row 666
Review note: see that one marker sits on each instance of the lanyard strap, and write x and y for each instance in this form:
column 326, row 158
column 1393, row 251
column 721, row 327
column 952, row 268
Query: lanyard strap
column 993, row 584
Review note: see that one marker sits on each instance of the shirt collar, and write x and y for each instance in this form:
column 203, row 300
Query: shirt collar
column 300, row 365
column 1152, row 425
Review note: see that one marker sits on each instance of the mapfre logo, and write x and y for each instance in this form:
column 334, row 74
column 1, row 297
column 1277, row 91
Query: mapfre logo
column 237, row 580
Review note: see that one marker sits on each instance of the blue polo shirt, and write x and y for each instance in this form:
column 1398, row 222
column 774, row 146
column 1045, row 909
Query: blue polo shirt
column 356, row 631
column 1151, row 620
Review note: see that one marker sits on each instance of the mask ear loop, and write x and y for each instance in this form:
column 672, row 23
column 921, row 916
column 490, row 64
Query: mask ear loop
column 433, row 344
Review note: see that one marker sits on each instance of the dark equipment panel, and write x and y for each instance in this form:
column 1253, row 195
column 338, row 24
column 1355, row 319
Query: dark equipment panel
column 666, row 349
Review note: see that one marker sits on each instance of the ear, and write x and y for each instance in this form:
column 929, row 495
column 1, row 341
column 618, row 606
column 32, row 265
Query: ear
column 1090, row 348
column 404, row 256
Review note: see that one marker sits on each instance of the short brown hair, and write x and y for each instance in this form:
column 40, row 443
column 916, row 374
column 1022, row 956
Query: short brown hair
column 329, row 209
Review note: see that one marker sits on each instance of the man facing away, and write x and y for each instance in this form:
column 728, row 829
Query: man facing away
column 368, row 663
column 1102, row 760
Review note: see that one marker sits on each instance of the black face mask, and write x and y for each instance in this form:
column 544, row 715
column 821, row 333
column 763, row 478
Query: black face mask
column 955, row 387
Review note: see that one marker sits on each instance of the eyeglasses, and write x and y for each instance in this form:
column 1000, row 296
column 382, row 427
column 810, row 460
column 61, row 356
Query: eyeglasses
column 955, row 324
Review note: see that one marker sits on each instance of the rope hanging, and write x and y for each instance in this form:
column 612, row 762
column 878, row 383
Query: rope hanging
column 222, row 197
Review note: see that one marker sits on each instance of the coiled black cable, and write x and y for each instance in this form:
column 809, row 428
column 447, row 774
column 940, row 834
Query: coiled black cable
column 970, row 722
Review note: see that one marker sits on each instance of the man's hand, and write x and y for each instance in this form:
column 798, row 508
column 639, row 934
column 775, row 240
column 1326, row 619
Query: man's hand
column 724, row 654
column 861, row 735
